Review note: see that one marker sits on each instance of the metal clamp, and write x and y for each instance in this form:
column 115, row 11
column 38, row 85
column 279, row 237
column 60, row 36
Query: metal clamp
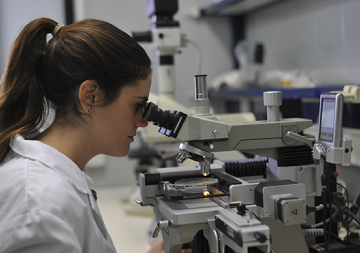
column 160, row 225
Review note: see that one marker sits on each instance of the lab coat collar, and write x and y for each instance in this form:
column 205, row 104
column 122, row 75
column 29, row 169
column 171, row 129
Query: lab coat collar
column 53, row 159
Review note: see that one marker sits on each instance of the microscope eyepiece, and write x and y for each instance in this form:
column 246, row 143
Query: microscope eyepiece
column 157, row 116
column 169, row 122
column 150, row 112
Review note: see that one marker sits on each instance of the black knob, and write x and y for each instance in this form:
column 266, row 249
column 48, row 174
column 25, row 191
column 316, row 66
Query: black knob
column 241, row 208
column 260, row 237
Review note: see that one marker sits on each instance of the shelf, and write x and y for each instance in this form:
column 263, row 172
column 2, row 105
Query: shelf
column 234, row 7
column 289, row 93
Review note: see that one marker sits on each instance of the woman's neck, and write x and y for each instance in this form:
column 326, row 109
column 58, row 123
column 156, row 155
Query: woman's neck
column 74, row 142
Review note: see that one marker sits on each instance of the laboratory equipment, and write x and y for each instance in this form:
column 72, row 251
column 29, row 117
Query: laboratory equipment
column 252, row 212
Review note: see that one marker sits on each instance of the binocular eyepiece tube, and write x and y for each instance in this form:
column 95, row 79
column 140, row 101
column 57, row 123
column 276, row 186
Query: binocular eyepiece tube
column 154, row 114
column 169, row 122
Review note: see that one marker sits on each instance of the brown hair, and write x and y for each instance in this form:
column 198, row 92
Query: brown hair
column 41, row 74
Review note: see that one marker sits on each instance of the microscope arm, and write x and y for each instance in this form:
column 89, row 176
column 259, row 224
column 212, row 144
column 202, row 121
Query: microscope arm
column 208, row 134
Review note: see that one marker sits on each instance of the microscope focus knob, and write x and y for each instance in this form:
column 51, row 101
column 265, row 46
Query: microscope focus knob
column 260, row 237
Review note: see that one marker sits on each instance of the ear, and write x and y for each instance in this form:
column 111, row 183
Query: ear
column 89, row 94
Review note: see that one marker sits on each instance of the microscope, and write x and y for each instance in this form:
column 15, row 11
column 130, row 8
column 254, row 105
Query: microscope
column 257, row 205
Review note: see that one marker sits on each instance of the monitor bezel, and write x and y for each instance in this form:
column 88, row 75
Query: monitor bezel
column 337, row 124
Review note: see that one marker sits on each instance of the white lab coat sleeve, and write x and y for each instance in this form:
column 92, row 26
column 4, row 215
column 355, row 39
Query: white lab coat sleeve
column 38, row 232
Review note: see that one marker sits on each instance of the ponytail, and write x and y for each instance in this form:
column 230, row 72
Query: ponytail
column 22, row 96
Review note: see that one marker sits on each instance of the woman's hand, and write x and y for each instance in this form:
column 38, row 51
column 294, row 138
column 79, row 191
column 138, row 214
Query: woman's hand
column 158, row 247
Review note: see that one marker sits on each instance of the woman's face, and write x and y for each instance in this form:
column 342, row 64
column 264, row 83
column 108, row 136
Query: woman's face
column 118, row 122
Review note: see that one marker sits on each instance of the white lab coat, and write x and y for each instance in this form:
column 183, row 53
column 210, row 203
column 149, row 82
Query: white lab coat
column 46, row 204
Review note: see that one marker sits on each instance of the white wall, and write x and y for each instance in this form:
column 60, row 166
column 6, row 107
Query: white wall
column 15, row 14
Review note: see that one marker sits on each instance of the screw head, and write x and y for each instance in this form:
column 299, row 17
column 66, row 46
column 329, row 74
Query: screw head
column 303, row 220
column 286, row 204
column 286, row 222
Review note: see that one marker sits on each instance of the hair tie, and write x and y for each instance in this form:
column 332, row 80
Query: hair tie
column 56, row 29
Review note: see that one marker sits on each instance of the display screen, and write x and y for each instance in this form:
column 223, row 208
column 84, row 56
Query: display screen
column 327, row 120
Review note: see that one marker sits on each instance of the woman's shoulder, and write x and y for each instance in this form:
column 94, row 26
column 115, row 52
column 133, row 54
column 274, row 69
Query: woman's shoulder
column 28, row 185
column 60, row 190
column 32, row 176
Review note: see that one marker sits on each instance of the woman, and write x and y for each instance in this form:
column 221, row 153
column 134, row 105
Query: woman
column 97, row 79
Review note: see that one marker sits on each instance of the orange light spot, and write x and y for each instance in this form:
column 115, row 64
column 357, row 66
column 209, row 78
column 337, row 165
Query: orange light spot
column 206, row 193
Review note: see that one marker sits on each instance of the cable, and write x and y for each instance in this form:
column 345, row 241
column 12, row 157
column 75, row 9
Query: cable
column 342, row 208
column 318, row 232
column 327, row 223
column 327, row 236
column 312, row 232
column 256, row 217
column 347, row 213
column 319, row 207
column 352, row 215
column 328, row 219
column 327, row 199
column 354, row 209
column 198, row 55
column 341, row 183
